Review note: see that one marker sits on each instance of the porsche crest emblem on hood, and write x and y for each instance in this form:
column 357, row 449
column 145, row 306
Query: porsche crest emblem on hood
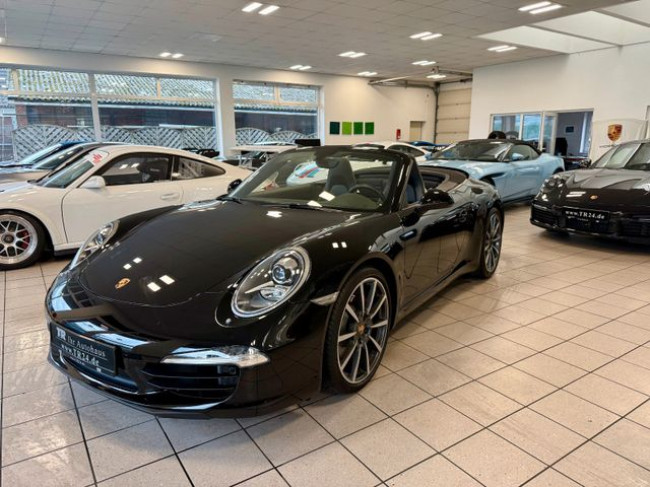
column 593, row 197
column 122, row 282
column 614, row 131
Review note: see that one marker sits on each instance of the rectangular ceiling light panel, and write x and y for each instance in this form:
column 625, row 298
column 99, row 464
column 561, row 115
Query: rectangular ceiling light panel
column 600, row 27
column 543, row 39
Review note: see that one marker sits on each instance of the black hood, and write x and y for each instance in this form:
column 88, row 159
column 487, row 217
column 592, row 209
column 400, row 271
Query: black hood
column 614, row 189
column 196, row 248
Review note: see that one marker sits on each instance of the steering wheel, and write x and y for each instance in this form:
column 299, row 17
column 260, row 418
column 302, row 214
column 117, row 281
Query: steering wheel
column 360, row 188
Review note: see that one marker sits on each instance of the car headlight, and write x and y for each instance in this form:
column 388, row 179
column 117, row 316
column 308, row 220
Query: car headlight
column 95, row 242
column 551, row 183
column 272, row 282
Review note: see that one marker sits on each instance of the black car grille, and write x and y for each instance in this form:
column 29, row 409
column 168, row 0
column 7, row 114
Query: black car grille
column 120, row 381
column 213, row 382
column 544, row 216
column 635, row 228
column 587, row 226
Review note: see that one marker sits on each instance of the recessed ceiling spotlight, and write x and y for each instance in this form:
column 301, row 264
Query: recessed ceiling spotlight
column 251, row 7
column 420, row 35
column 268, row 10
column 367, row 73
column 533, row 6
column 432, row 36
column 352, row 54
column 300, row 67
column 424, row 63
column 542, row 10
column 503, row 48
column 437, row 76
column 177, row 55
column 165, row 54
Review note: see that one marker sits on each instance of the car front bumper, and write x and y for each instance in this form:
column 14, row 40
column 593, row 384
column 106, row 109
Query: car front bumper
column 619, row 226
column 141, row 377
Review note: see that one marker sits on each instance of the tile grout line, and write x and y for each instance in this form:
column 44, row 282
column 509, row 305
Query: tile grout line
column 171, row 445
column 83, row 434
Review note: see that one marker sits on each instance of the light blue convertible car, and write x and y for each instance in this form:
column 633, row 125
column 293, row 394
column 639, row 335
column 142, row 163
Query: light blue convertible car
column 515, row 167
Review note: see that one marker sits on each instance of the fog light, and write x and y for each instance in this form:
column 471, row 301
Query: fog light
column 238, row 355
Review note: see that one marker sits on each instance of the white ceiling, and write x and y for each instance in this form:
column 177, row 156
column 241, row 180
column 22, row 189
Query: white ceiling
column 311, row 32
column 619, row 25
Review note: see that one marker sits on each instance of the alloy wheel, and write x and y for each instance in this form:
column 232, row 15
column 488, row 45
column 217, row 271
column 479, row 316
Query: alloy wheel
column 363, row 330
column 492, row 241
column 18, row 239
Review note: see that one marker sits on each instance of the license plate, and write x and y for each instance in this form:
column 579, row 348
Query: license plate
column 586, row 215
column 96, row 355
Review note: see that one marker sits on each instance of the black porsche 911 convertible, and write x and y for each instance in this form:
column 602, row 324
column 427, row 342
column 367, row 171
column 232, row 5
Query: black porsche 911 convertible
column 610, row 199
column 289, row 284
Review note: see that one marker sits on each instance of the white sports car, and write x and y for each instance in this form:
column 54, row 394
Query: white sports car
column 63, row 208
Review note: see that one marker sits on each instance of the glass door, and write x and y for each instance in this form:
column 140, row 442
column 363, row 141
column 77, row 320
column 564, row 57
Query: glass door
column 531, row 129
column 549, row 133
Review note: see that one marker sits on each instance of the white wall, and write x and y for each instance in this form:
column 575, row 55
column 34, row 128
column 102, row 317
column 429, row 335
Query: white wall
column 345, row 98
column 614, row 82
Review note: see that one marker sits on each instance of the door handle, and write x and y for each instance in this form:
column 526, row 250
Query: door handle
column 170, row 196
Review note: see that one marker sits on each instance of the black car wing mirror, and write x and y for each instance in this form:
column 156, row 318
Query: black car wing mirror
column 234, row 185
column 435, row 198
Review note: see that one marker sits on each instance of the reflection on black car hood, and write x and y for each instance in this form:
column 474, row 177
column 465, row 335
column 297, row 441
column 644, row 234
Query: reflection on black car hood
column 190, row 250
column 599, row 188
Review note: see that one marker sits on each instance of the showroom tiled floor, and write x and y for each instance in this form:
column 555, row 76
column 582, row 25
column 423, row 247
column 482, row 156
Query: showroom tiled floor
column 539, row 376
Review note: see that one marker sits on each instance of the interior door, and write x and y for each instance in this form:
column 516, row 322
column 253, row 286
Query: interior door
column 526, row 171
column 415, row 130
column 134, row 183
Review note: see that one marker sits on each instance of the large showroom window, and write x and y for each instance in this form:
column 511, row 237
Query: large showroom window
column 40, row 108
column 269, row 112
column 560, row 133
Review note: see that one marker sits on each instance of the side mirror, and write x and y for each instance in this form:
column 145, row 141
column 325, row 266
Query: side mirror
column 436, row 197
column 516, row 157
column 234, row 185
column 94, row 182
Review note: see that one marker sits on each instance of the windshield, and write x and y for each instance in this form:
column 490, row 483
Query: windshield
column 474, row 150
column 635, row 156
column 324, row 177
column 37, row 156
column 68, row 174
column 55, row 160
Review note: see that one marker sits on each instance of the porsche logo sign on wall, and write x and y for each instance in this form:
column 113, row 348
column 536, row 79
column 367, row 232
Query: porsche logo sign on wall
column 122, row 282
column 614, row 131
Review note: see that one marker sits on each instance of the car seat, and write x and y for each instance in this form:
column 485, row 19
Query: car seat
column 340, row 177
column 154, row 170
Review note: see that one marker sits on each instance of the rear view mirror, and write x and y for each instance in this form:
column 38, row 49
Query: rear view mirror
column 94, row 182
column 234, row 185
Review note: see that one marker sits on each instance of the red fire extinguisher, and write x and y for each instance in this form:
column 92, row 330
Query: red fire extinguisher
column 398, row 134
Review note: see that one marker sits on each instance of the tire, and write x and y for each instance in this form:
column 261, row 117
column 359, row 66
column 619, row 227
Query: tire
column 491, row 243
column 22, row 239
column 357, row 332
